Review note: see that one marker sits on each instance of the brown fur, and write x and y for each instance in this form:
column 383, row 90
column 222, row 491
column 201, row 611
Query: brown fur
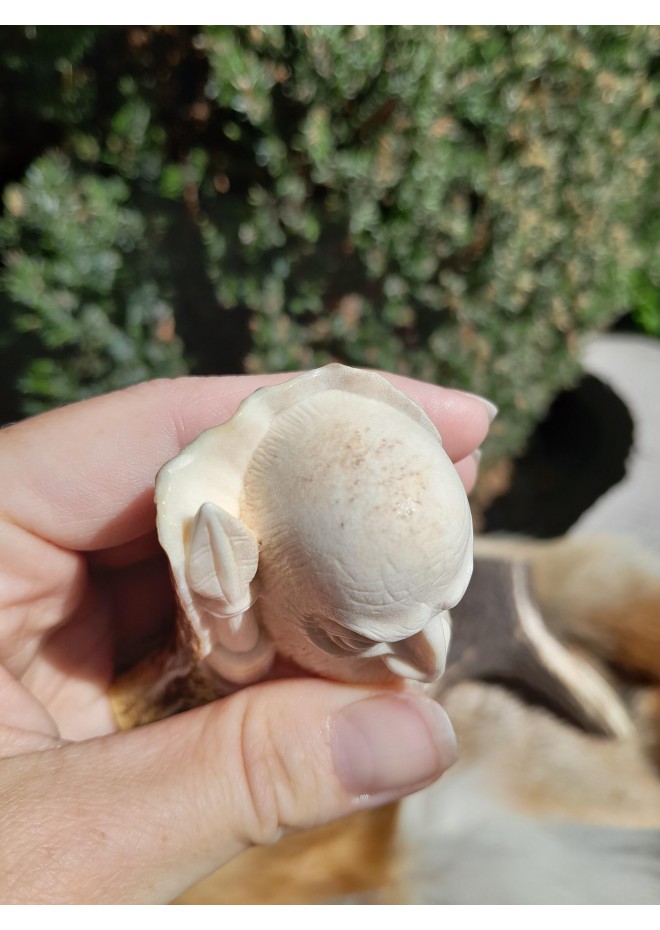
column 537, row 765
column 602, row 592
column 138, row 696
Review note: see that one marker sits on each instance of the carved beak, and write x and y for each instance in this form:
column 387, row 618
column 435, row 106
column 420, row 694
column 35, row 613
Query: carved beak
column 423, row 656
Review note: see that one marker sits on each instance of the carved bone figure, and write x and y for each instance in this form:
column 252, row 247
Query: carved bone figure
column 323, row 522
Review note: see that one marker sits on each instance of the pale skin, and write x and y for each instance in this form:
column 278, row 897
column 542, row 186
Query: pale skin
column 91, row 815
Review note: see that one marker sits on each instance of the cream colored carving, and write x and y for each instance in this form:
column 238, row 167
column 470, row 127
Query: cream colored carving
column 323, row 522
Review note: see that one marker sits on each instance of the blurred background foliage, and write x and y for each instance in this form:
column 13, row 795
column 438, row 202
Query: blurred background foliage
column 462, row 204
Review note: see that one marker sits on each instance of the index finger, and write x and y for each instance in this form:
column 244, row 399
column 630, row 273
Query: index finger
column 83, row 476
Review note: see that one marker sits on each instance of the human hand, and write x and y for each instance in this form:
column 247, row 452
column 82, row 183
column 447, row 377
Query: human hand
column 91, row 815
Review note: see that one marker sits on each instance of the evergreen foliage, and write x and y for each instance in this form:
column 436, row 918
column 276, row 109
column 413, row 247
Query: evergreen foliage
column 463, row 204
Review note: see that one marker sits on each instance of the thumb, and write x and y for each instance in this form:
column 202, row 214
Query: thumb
column 140, row 816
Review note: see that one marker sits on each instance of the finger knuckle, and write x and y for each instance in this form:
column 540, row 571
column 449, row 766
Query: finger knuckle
column 269, row 783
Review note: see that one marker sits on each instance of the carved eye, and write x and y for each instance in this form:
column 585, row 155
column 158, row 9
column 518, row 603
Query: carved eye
column 335, row 639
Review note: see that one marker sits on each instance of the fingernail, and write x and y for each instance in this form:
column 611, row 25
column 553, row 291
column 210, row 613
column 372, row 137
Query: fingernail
column 388, row 745
column 491, row 409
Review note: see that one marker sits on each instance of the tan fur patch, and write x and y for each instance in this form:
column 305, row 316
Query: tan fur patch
column 602, row 592
column 634, row 631
column 534, row 764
